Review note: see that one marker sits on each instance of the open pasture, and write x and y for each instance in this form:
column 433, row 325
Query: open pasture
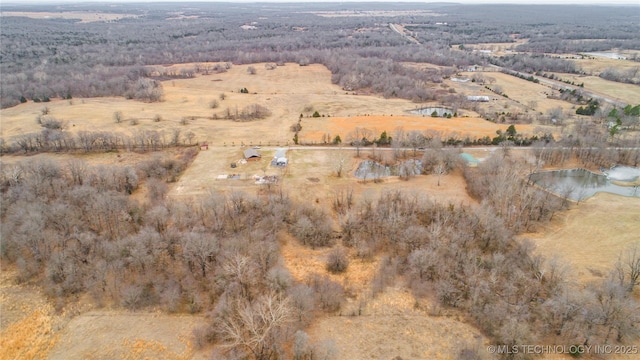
column 286, row 91
column 590, row 236
column 627, row 93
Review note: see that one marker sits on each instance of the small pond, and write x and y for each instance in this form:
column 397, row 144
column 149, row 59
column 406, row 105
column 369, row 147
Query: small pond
column 428, row 111
column 579, row 184
column 369, row 169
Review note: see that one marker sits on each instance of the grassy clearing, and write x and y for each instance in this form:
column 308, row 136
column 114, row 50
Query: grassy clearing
column 591, row 235
column 394, row 325
column 27, row 322
column 101, row 334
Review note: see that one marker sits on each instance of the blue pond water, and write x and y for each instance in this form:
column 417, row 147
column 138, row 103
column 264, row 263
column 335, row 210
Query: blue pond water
column 579, row 184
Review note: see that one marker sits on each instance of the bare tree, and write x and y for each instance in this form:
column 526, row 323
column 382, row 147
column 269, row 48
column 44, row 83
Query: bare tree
column 258, row 328
column 78, row 170
column 339, row 161
column 337, row 260
column 200, row 251
column 118, row 117
column 440, row 170
column 627, row 268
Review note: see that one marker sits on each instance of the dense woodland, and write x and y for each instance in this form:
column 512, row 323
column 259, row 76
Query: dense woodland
column 44, row 59
column 76, row 229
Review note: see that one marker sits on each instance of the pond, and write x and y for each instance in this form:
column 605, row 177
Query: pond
column 579, row 184
column 369, row 169
column 428, row 111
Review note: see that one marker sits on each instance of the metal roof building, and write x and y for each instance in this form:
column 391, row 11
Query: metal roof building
column 251, row 154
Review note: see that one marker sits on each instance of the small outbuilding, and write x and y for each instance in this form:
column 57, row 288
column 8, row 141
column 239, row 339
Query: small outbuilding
column 280, row 158
column 252, row 155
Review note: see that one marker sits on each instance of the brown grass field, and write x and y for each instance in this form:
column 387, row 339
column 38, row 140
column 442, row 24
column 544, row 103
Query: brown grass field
column 627, row 93
column 83, row 16
column 394, row 324
column 458, row 128
column 312, row 171
column 520, row 90
column 286, row 91
column 589, row 236
column 595, row 65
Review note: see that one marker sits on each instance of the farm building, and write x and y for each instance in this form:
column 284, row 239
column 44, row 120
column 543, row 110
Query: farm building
column 280, row 158
column 251, row 155
column 478, row 98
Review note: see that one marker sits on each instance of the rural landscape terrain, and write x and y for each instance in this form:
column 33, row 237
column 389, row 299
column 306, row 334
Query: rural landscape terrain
column 319, row 181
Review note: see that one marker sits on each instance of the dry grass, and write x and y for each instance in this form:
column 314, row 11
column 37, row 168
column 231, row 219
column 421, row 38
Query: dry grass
column 595, row 65
column 27, row 323
column 110, row 158
column 497, row 49
column 286, row 91
column 83, row 16
column 591, row 235
column 459, row 127
column 627, row 93
column 303, row 262
column 32, row 329
column 104, row 334
column 525, row 92
column 33, row 337
column 310, row 177
column 395, row 324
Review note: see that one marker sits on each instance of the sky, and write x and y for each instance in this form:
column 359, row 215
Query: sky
column 602, row 2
